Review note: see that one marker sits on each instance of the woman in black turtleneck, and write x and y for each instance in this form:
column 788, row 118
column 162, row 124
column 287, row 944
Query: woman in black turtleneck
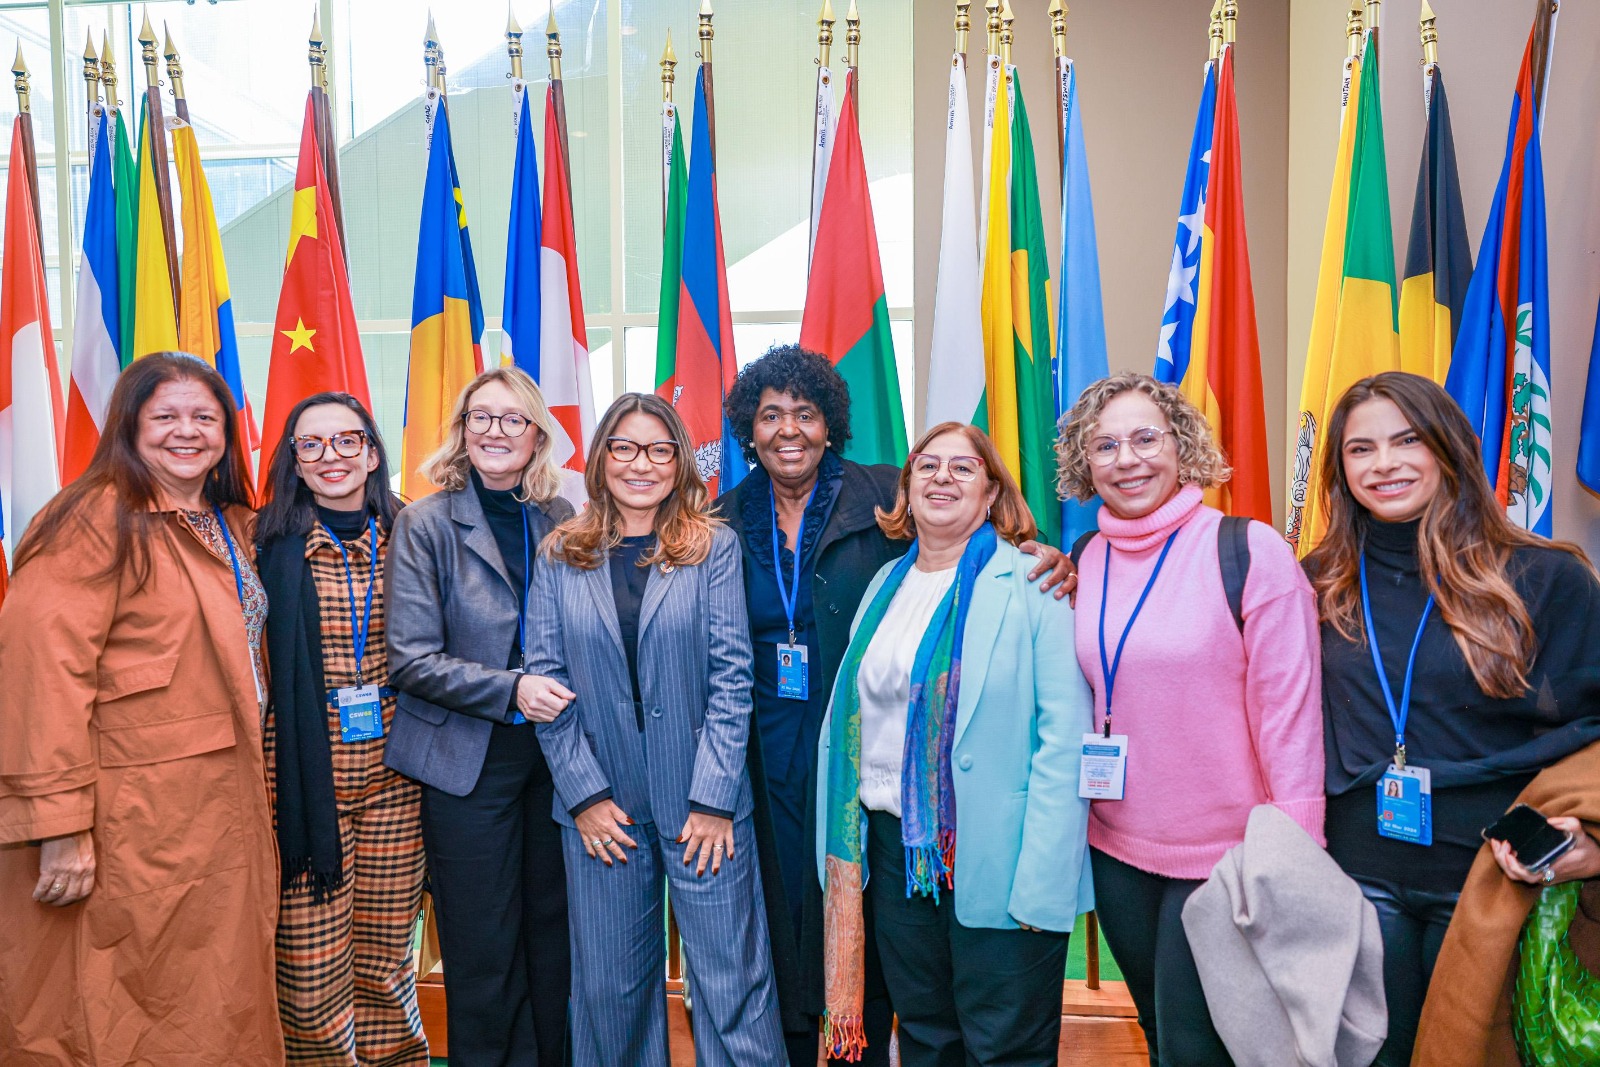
column 1503, row 627
column 457, row 585
column 349, row 829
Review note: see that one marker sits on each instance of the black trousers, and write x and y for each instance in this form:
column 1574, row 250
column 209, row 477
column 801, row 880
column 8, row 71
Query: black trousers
column 1412, row 922
column 500, row 894
column 964, row 995
column 1142, row 917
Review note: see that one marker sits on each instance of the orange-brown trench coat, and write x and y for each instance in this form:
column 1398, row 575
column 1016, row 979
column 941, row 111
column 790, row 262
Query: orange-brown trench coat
column 134, row 714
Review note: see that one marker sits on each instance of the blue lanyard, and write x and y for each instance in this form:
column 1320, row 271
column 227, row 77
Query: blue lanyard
column 527, row 584
column 1109, row 667
column 233, row 554
column 790, row 598
column 1397, row 716
column 361, row 625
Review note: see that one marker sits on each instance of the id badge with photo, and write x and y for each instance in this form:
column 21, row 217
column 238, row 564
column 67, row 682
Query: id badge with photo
column 1102, row 766
column 360, row 713
column 794, row 681
column 1405, row 805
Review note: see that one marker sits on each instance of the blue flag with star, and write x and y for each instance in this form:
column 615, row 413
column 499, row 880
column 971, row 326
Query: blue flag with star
column 1177, row 319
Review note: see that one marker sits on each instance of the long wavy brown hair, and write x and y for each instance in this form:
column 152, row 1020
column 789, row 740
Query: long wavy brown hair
column 1464, row 542
column 117, row 467
column 1009, row 514
column 683, row 525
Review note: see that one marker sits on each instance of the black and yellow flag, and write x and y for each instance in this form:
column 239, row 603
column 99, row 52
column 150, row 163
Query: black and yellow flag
column 1438, row 257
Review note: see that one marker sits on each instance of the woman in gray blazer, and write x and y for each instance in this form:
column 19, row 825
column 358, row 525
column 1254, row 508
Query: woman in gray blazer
column 456, row 585
column 638, row 608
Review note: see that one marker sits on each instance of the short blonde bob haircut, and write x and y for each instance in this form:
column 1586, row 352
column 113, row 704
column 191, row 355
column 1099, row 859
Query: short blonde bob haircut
column 684, row 523
column 1009, row 513
column 1200, row 461
column 541, row 478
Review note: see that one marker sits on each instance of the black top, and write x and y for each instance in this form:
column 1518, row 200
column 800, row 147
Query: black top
column 628, row 580
column 788, row 750
column 1480, row 751
column 346, row 525
column 508, row 523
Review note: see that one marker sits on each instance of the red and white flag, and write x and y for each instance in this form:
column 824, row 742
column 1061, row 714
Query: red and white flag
column 563, row 339
column 32, row 413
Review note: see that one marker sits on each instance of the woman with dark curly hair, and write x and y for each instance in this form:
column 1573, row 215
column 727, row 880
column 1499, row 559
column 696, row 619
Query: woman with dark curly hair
column 806, row 517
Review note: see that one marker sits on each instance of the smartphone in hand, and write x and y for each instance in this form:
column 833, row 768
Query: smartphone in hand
column 1535, row 842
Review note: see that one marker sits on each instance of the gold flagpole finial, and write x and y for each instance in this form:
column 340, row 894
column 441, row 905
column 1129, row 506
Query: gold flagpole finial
column 705, row 31
column 20, row 70
column 1374, row 7
column 852, row 37
column 174, row 64
column 1217, row 31
column 552, row 45
column 1007, row 33
column 317, row 54
column 1355, row 26
column 1230, row 21
column 147, row 51
column 963, row 24
column 825, row 23
column 108, row 70
column 669, row 70
column 514, row 43
column 91, row 68
column 1430, row 36
column 1058, row 27
column 991, row 26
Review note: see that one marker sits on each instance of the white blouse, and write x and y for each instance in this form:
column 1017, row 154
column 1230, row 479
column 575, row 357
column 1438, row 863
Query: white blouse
column 884, row 683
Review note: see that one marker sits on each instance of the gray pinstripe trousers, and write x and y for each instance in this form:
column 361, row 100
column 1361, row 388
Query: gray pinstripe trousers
column 619, row 1000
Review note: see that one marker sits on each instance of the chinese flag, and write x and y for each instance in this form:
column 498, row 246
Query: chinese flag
column 315, row 344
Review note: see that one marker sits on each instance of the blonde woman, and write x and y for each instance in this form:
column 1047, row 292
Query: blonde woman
column 1204, row 630
column 638, row 605
column 456, row 585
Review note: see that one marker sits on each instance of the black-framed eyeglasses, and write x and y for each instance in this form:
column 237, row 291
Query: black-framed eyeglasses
column 961, row 468
column 511, row 423
column 624, row 449
column 346, row 444
column 1146, row 442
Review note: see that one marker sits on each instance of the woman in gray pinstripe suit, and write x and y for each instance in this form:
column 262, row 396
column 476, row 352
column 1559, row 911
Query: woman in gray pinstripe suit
column 638, row 608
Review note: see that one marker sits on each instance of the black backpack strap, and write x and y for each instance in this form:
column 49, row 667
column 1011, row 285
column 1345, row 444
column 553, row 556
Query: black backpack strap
column 1233, row 554
column 1079, row 545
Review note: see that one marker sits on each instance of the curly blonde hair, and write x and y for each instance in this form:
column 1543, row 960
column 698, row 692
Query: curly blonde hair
column 1200, row 461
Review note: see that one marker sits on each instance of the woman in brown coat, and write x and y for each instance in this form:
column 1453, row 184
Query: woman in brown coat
column 138, row 884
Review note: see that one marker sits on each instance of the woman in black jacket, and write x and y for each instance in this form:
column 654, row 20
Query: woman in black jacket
column 1458, row 660
column 349, row 829
column 790, row 411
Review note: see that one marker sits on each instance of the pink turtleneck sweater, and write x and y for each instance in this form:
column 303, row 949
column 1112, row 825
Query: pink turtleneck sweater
column 1216, row 724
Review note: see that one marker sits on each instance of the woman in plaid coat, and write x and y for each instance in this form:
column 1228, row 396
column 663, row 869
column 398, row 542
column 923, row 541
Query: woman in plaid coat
column 349, row 828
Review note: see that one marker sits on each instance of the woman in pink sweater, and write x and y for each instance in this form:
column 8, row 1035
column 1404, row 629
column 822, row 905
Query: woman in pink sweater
column 1205, row 709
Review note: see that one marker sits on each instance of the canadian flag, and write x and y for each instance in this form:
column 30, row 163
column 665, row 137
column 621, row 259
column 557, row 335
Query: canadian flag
column 32, row 414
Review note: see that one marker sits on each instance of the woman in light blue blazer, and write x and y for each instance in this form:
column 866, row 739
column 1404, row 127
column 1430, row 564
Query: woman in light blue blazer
column 638, row 608
column 948, row 769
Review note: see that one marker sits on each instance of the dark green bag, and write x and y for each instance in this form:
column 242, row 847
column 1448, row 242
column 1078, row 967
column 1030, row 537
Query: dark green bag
column 1556, row 1004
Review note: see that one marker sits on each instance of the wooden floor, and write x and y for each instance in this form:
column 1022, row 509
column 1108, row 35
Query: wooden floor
column 1097, row 1026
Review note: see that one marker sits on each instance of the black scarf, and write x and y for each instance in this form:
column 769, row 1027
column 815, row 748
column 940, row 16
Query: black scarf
column 307, row 815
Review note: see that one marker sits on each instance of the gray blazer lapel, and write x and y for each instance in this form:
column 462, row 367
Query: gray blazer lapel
column 465, row 510
column 655, row 591
column 598, row 581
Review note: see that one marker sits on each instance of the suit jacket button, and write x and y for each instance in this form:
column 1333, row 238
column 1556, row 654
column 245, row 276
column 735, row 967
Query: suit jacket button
column 833, row 609
column 966, row 763
column 655, row 713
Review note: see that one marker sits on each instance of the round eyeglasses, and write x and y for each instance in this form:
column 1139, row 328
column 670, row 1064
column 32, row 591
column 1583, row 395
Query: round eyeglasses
column 961, row 468
column 624, row 449
column 1146, row 442
column 347, row 444
column 511, row 423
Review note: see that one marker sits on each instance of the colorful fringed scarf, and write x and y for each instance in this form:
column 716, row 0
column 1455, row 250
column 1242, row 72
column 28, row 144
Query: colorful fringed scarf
column 927, row 792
